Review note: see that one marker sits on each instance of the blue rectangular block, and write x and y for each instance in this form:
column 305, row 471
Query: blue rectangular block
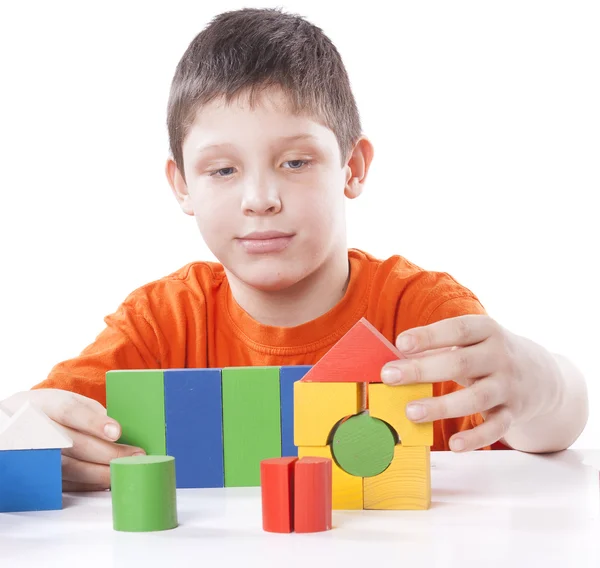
column 30, row 480
column 287, row 377
column 194, row 425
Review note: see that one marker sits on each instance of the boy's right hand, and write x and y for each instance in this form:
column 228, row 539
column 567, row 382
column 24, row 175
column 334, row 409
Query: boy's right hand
column 85, row 466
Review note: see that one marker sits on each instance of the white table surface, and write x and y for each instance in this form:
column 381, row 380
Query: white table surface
column 499, row 508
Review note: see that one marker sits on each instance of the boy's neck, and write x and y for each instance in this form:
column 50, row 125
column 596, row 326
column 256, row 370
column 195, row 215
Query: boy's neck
column 303, row 302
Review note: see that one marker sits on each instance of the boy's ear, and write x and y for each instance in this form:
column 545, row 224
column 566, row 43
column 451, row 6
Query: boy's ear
column 179, row 187
column 358, row 166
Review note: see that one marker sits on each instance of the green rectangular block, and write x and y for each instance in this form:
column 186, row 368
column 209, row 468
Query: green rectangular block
column 251, row 422
column 136, row 400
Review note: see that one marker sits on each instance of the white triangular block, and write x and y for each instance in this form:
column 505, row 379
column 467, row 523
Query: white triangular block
column 30, row 429
column 4, row 418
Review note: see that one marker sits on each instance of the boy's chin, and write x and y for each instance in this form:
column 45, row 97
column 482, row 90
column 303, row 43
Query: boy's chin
column 269, row 279
column 269, row 283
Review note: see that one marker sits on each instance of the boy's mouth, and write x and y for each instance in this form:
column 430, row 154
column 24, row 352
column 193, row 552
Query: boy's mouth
column 262, row 242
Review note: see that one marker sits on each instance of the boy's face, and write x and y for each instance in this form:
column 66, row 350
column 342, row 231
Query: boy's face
column 266, row 188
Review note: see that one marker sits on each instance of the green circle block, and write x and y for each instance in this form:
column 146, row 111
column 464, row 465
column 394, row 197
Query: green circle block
column 363, row 446
column 143, row 493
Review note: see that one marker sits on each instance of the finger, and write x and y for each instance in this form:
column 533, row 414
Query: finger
column 91, row 449
column 462, row 331
column 85, row 472
column 482, row 395
column 430, row 352
column 496, row 425
column 77, row 412
column 74, row 487
column 460, row 365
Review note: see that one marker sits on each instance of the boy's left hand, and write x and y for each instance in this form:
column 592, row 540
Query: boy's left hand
column 509, row 379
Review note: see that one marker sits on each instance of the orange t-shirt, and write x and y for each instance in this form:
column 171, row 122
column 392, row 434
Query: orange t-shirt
column 189, row 319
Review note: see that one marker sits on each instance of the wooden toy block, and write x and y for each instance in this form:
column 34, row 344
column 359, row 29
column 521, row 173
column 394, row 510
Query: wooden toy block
column 194, row 426
column 30, row 429
column 363, row 446
column 388, row 403
column 30, row 461
column 358, row 356
column 347, row 490
column 277, row 493
column 318, row 407
column 136, row 400
column 251, row 422
column 405, row 484
column 312, row 495
column 31, row 480
column 4, row 418
column 143, row 493
column 287, row 377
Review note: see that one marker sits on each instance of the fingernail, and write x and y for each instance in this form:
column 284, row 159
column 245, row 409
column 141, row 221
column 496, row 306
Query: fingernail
column 405, row 343
column 138, row 454
column 111, row 431
column 457, row 444
column 415, row 411
column 391, row 375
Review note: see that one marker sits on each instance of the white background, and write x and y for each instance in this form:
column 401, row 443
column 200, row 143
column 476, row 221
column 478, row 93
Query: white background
column 484, row 117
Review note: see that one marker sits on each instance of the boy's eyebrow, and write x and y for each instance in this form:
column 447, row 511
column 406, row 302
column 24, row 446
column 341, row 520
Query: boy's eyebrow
column 292, row 138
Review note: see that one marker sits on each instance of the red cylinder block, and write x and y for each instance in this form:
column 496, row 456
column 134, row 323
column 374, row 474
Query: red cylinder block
column 277, row 490
column 313, row 489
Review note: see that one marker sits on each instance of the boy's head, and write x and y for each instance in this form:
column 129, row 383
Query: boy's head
column 266, row 140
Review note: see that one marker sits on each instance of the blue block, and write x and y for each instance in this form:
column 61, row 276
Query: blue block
column 194, row 425
column 30, row 480
column 287, row 377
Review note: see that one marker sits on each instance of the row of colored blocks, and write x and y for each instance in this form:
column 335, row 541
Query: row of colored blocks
column 218, row 424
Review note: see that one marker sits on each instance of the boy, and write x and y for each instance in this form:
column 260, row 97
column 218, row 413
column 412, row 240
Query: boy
column 266, row 144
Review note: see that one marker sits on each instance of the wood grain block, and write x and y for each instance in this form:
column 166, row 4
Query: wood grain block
column 388, row 403
column 30, row 429
column 363, row 446
column 404, row 485
column 277, row 494
column 358, row 356
column 30, row 480
column 287, row 377
column 318, row 407
column 194, row 426
column 136, row 400
column 143, row 493
column 251, row 422
column 347, row 490
column 312, row 495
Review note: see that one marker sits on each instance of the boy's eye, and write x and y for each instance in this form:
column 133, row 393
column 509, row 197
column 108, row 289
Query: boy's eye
column 296, row 164
column 223, row 172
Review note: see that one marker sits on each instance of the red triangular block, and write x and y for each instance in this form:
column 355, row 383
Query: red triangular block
column 358, row 357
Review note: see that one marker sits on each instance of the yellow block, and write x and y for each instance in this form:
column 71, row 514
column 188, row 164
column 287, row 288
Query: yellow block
column 318, row 407
column 405, row 484
column 347, row 490
column 389, row 404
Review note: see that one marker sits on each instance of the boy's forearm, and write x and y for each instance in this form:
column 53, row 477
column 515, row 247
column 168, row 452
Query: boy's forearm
column 560, row 425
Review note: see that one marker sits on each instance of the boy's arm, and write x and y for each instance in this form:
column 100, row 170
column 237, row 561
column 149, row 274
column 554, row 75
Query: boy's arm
column 130, row 340
column 562, row 423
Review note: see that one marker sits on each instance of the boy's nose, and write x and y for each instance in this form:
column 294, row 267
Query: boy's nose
column 261, row 200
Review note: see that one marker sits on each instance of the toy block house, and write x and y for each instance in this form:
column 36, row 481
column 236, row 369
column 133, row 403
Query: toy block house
column 30, row 461
column 344, row 412
column 219, row 424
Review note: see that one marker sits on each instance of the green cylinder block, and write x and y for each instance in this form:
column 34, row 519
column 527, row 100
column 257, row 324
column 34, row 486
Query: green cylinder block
column 363, row 446
column 143, row 493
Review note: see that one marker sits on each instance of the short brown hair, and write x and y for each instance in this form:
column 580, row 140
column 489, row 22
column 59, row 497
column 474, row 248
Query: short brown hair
column 252, row 49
